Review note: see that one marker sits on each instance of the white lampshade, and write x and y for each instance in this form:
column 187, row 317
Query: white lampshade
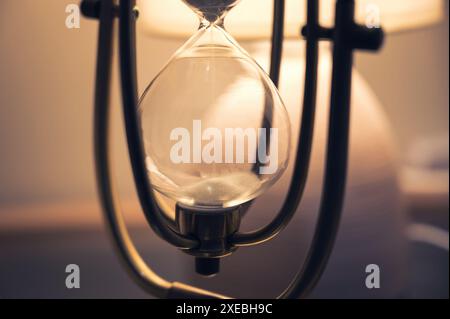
column 252, row 19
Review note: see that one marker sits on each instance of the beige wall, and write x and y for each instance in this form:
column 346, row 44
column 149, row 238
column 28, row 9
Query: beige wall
column 46, row 90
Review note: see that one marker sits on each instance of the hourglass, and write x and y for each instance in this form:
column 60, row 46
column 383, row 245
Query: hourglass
column 216, row 133
column 211, row 133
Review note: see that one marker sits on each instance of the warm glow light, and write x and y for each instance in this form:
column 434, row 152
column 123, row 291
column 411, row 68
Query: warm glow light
column 251, row 19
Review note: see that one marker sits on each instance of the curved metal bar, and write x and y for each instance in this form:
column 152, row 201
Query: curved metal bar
column 303, row 155
column 277, row 40
column 133, row 262
column 156, row 220
column 143, row 275
column 337, row 157
column 275, row 67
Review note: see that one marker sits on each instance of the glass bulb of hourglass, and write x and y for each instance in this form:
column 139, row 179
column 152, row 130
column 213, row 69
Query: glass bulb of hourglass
column 215, row 130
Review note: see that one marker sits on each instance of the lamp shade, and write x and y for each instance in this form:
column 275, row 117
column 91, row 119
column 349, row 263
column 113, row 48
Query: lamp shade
column 252, row 19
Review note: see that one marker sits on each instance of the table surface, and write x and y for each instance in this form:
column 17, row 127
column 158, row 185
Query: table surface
column 38, row 241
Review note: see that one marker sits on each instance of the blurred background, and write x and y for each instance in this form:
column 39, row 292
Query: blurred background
column 396, row 211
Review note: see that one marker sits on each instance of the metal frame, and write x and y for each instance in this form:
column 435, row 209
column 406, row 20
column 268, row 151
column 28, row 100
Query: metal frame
column 346, row 37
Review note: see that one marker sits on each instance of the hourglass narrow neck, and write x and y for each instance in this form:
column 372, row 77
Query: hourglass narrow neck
column 212, row 11
column 204, row 23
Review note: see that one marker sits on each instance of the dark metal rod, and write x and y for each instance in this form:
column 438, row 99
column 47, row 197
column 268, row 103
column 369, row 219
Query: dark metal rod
column 277, row 40
column 127, row 36
column 130, row 258
column 275, row 70
column 337, row 157
column 303, row 155
column 136, row 266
